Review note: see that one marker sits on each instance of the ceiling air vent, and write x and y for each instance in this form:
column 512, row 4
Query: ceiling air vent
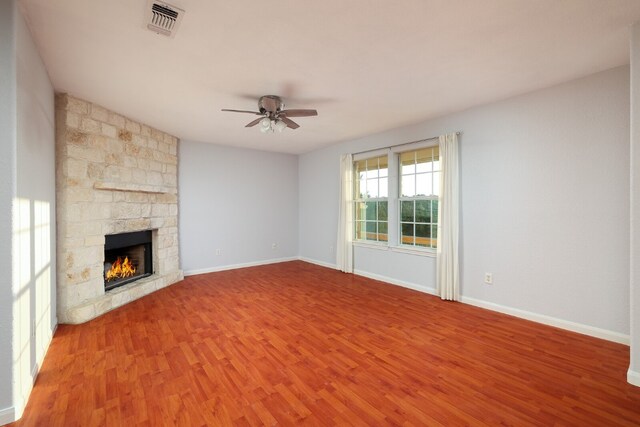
column 163, row 18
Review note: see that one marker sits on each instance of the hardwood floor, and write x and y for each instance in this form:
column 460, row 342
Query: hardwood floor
column 294, row 343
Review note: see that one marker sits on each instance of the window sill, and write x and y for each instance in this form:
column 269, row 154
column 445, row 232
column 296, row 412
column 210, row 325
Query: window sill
column 431, row 253
column 371, row 245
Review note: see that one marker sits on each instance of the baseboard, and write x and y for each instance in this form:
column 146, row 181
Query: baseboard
column 316, row 262
column 539, row 318
column 633, row 378
column 236, row 266
column 7, row 415
column 551, row 321
column 396, row 282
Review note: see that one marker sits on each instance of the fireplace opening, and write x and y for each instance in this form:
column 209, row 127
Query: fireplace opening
column 127, row 257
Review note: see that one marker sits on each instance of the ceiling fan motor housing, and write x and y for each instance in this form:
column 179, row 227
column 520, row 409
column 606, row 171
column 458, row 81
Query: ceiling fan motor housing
column 270, row 104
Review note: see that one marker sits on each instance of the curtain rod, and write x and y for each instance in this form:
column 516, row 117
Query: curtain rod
column 400, row 145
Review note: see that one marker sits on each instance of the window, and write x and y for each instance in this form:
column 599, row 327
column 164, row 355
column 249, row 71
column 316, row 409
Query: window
column 419, row 172
column 371, row 199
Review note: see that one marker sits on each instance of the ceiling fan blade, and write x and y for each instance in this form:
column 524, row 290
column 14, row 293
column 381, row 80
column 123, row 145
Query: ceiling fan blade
column 290, row 123
column 299, row 113
column 243, row 111
column 253, row 123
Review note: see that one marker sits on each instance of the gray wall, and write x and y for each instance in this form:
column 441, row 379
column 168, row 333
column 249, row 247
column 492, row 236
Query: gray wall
column 7, row 193
column 545, row 202
column 237, row 200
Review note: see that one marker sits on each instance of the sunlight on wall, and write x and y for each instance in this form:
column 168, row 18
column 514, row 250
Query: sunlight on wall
column 21, row 294
column 31, row 290
column 42, row 263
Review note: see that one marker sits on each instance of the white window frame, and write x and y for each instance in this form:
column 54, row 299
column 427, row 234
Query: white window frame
column 393, row 201
column 357, row 199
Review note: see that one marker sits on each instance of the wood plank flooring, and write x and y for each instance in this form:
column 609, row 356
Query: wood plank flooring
column 294, row 343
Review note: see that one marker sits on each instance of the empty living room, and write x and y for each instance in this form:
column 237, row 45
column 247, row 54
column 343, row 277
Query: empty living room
column 416, row 213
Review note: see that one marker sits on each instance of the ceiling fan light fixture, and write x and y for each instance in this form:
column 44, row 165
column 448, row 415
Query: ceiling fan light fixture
column 280, row 125
column 265, row 123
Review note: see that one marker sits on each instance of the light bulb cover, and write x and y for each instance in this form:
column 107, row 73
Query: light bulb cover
column 280, row 126
column 265, row 123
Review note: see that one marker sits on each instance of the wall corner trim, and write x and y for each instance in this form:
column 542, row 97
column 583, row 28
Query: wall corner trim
column 633, row 378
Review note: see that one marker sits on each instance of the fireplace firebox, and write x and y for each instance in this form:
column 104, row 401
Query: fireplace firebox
column 127, row 257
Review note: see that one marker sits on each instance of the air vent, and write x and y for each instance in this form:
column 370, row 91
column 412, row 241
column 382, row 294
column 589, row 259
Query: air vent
column 163, row 18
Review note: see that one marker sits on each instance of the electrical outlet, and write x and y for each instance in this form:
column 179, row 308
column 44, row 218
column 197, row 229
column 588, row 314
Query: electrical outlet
column 488, row 278
column 218, row 252
column 274, row 246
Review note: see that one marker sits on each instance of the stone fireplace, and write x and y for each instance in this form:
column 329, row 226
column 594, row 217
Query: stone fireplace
column 117, row 209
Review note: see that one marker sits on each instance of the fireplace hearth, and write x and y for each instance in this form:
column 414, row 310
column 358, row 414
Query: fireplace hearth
column 127, row 258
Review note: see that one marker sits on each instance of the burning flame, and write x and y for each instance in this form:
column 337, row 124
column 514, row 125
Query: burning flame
column 121, row 269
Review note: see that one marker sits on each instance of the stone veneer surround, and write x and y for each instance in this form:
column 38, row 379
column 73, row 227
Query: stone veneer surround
column 113, row 175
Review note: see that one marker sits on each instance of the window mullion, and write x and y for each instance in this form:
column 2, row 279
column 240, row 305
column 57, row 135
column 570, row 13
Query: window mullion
column 393, row 205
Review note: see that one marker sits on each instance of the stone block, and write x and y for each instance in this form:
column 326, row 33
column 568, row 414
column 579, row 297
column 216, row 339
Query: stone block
column 138, row 176
column 169, row 179
column 93, row 154
column 164, row 147
column 95, row 171
column 139, row 140
column 103, row 197
column 76, row 105
column 76, row 168
column 154, row 178
column 90, row 125
column 125, row 135
column 137, row 197
column 97, row 240
column 72, row 120
column 109, row 130
column 145, row 130
column 160, row 210
column 125, row 210
column 80, row 194
column 99, row 113
column 132, row 126
column 153, row 143
column 116, row 120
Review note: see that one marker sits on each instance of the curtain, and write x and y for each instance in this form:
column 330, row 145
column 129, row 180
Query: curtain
column 447, row 276
column 344, row 246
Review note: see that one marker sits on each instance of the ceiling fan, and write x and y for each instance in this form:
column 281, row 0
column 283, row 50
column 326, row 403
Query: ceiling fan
column 273, row 115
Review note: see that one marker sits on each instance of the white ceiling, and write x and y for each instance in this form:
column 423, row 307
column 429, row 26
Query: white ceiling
column 365, row 65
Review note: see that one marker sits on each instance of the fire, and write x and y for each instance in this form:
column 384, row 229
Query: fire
column 121, row 269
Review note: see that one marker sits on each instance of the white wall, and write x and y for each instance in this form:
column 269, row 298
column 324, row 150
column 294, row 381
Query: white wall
column 27, row 219
column 237, row 200
column 633, row 375
column 34, row 229
column 545, row 202
column 7, row 192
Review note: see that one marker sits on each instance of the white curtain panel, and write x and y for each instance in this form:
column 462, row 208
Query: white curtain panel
column 448, row 226
column 344, row 244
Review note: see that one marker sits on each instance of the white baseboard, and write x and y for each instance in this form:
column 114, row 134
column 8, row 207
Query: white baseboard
column 396, row 282
column 539, row 318
column 235, row 266
column 316, row 262
column 7, row 415
column 551, row 321
column 633, row 378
